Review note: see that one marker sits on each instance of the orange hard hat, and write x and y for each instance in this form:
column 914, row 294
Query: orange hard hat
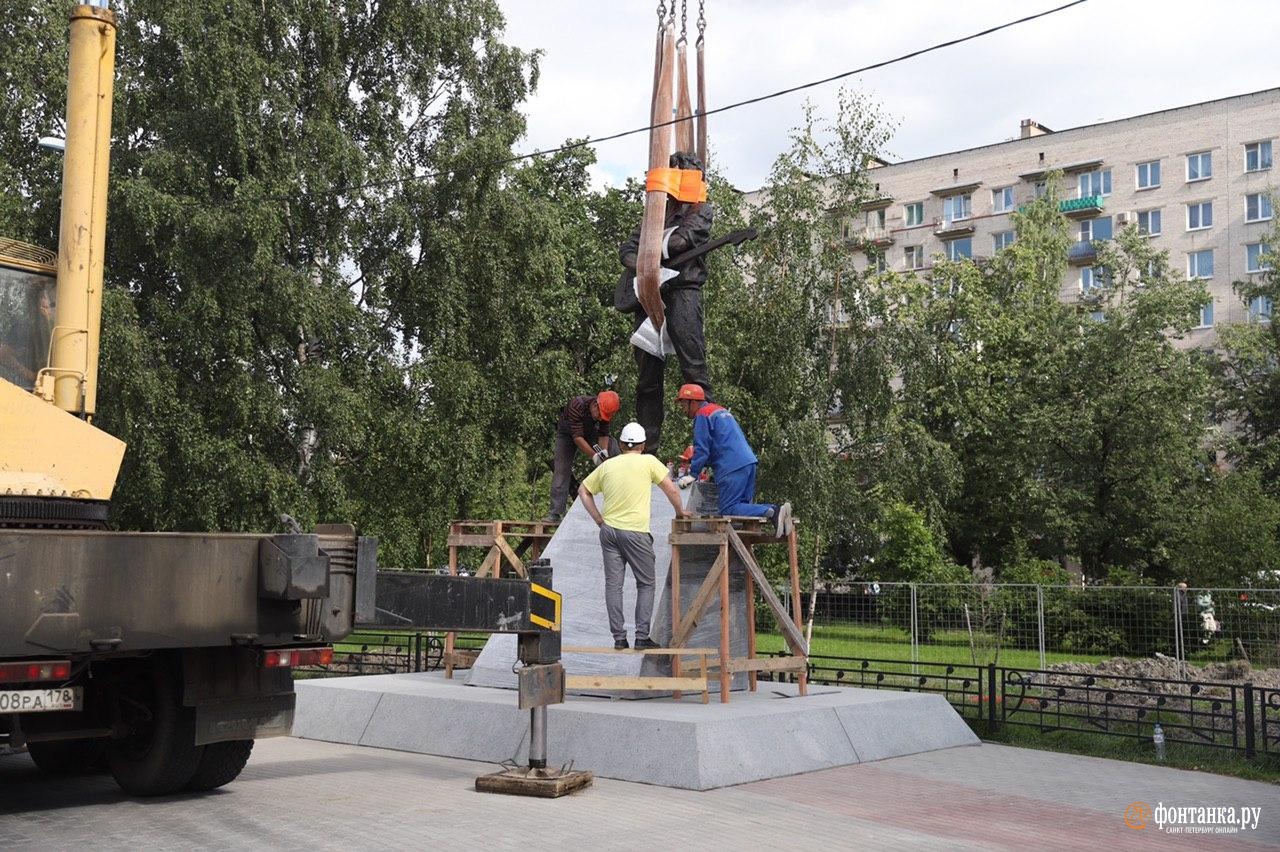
column 687, row 455
column 609, row 404
column 694, row 392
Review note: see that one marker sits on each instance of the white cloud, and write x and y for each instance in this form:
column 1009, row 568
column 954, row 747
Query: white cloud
column 1102, row 60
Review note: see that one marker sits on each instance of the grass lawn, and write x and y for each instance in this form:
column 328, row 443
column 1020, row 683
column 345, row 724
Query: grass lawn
column 869, row 641
column 1177, row 755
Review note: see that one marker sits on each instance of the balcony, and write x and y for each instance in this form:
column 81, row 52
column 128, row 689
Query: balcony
column 943, row 227
column 879, row 237
column 1082, row 253
column 1081, row 208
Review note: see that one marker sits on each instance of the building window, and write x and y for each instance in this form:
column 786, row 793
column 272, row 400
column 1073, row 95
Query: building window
column 1040, row 188
column 1093, row 278
column 1200, row 264
column 1206, row 314
column 914, row 213
column 914, row 257
column 959, row 249
column 1257, row 156
column 1095, row 183
column 956, row 207
column 1149, row 222
column 1260, row 308
column 1098, row 316
column 1001, row 240
column 1199, row 215
column 1096, row 229
column 875, row 262
column 1149, row 174
column 1002, row 199
column 1257, row 207
column 1257, row 257
column 874, row 218
column 1200, row 166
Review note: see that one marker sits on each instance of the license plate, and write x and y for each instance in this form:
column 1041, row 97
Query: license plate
column 40, row 700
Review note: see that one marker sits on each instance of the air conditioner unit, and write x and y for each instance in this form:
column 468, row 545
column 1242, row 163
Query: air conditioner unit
column 1125, row 218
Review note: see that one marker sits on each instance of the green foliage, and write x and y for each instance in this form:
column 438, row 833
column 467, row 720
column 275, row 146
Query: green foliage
column 322, row 299
column 910, row 552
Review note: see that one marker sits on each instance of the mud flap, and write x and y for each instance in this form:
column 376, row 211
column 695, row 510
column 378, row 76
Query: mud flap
column 244, row 718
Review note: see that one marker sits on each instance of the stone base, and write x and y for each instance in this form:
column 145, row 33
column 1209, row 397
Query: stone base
column 765, row 734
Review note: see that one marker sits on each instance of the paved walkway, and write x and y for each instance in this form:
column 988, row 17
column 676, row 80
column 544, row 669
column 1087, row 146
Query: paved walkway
column 299, row 794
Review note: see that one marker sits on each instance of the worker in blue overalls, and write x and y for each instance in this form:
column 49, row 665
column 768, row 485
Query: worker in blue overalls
column 718, row 443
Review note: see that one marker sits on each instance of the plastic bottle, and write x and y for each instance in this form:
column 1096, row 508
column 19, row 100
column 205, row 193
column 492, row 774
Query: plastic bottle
column 1157, row 737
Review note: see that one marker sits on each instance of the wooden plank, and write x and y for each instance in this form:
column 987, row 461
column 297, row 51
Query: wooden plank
column 470, row 540
column 700, row 601
column 705, row 538
column 674, row 577
column 793, row 558
column 769, row 664
column 637, row 684
column 725, row 606
column 489, row 563
column 751, row 625
column 500, row 542
column 668, row 652
column 792, row 633
column 461, row 659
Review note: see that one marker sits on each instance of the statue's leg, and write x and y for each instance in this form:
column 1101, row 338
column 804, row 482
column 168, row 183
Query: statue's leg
column 684, row 324
column 650, row 406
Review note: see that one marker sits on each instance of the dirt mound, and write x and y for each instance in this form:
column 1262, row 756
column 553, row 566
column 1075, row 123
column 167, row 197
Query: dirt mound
column 1167, row 668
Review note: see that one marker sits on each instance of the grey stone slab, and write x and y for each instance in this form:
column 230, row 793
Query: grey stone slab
column 340, row 716
column 688, row 745
column 907, row 723
column 491, row 731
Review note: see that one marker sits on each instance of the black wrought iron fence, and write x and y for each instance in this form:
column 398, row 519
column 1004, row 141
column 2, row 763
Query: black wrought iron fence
column 1230, row 716
column 387, row 652
column 1269, row 720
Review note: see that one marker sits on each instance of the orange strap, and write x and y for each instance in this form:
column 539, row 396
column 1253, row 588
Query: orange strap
column 682, row 184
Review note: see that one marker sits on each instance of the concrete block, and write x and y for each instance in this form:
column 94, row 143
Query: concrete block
column 687, row 745
column 903, row 723
column 339, row 715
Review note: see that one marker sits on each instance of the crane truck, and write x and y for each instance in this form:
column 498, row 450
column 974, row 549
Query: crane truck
column 162, row 656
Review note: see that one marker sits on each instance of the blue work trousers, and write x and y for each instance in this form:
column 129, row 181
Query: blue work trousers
column 737, row 488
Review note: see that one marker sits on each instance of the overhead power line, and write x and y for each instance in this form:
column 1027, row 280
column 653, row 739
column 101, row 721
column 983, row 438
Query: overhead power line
column 515, row 158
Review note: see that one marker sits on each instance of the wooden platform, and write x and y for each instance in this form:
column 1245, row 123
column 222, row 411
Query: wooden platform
column 675, row 684
column 510, row 544
column 737, row 537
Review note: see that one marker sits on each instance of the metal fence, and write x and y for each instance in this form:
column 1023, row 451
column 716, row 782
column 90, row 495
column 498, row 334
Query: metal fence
column 1035, row 626
column 387, row 652
column 1230, row 716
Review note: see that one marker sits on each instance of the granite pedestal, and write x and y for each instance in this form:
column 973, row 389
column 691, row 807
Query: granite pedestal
column 689, row 745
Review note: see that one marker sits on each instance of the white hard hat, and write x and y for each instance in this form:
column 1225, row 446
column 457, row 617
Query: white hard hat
column 632, row 433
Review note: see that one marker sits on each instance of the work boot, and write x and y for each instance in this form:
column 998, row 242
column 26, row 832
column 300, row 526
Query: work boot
column 646, row 642
column 784, row 520
column 620, row 645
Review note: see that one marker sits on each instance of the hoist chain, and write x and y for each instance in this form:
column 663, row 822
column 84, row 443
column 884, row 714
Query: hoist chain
column 702, row 22
column 684, row 8
column 662, row 13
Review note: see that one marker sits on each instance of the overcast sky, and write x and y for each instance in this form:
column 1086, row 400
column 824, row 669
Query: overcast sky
column 1099, row 61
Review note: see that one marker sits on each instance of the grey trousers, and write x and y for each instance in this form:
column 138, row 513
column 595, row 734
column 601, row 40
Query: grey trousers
column 622, row 548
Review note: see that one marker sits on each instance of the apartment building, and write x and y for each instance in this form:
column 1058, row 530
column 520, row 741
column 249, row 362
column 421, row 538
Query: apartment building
column 1196, row 179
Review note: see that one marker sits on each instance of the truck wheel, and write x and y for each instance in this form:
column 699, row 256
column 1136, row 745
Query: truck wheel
column 221, row 764
column 67, row 757
column 160, row 754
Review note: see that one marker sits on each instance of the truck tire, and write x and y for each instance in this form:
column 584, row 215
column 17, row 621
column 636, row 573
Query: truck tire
column 221, row 764
column 160, row 754
column 67, row 757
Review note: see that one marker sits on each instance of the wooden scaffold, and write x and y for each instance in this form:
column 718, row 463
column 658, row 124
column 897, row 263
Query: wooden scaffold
column 510, row 544
column 735, row 536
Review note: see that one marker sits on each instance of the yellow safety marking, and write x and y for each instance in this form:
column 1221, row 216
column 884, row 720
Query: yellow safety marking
column 556, row 601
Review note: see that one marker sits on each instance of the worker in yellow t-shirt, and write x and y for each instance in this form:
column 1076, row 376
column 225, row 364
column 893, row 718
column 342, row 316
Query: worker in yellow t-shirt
column 626, row 482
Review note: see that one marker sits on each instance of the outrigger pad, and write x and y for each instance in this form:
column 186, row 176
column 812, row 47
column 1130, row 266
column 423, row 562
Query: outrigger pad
column 541, row 783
